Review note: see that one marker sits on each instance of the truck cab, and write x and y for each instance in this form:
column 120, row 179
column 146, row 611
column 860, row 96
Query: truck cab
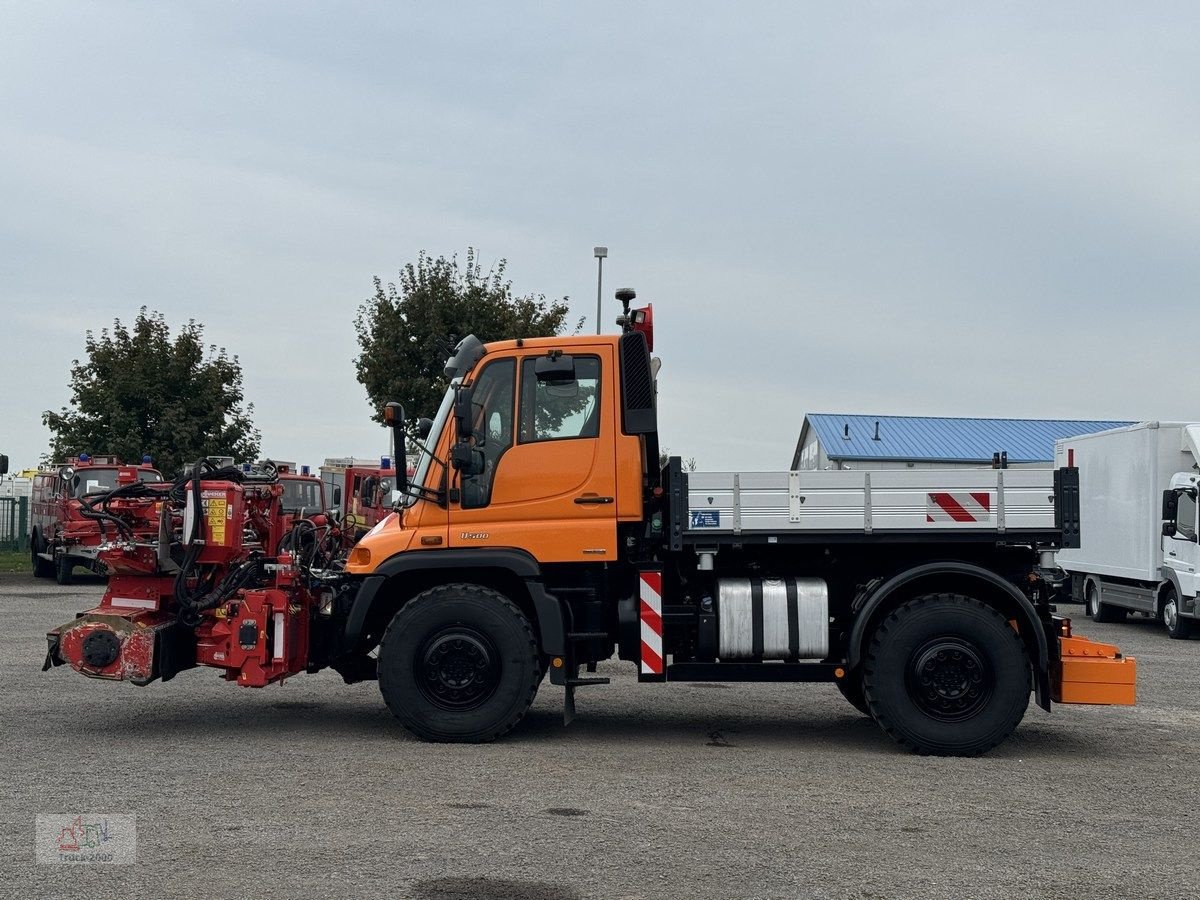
column 361, row 490
column 303, row 492
column 64, row 532
column 1181, row 553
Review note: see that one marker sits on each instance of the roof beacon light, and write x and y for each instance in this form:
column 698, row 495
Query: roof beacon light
column 85, row 457
column 147, row 459
column 246, row 467
column 385, row 462
column 304, row 470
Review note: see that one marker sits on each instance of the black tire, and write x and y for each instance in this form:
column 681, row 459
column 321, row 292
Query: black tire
column 1100, row 611
column 1168, row 613
column 947, row 675
column 64, row 569
column 459, row 663
column 42, row 568
column 852, row 689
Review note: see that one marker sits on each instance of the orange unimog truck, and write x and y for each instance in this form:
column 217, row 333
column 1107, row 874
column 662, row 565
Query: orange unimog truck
column 539, row 533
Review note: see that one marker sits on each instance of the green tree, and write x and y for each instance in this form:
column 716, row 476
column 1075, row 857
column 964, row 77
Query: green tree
column 407, row 329
column 141, row 390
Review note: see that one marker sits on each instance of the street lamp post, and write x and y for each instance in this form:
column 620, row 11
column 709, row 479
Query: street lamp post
column 601, row 253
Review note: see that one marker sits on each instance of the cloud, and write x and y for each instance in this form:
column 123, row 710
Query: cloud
column 955, row 210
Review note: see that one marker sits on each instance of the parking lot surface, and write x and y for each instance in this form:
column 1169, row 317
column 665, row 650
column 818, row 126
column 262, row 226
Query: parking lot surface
column 313, row 789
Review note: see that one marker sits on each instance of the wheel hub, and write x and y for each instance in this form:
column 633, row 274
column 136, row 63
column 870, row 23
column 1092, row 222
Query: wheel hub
column 1169, row 613
column 458, row 668
column 949, row 679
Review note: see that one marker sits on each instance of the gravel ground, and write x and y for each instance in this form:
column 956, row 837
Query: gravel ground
column 312, row 789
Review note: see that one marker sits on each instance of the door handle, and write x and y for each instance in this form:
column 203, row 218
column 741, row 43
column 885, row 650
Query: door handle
column 592, row 499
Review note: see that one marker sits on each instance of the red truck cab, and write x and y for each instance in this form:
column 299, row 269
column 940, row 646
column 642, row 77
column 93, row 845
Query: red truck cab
column 61, row 536
column 360, row 491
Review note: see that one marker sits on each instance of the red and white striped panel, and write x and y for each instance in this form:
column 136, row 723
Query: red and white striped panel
column 959, row 506
column 650, row 591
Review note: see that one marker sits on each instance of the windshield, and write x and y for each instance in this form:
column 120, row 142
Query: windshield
column 92, row 480
column 439, row 423
column 301, row 495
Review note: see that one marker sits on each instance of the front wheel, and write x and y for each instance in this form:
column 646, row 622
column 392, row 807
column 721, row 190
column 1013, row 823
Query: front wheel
column 64, row 569
column 1177, row 626
column 42, row 568
column 459, row 663
column 947, row 675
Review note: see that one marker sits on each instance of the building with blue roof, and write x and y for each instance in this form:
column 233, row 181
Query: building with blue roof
column 837, row 441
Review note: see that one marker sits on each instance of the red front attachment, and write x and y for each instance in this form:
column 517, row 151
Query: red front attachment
column 224, row 598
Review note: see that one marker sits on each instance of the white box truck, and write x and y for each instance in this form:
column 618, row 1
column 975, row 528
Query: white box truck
column 1137, row 514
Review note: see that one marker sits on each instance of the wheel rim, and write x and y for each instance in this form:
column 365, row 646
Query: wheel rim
column 458, row 668
column 949, row 679
column 1093, row 605
column 1170, row 613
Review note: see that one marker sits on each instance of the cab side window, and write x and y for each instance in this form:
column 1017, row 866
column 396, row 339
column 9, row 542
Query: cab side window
column 557, row 412
column 1185, row 517
column 493, row 399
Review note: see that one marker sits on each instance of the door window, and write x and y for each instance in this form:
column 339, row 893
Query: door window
column 492, row 398
column 560, row 411
column 1185, row 516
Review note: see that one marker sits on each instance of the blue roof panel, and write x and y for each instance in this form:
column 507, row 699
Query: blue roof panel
column 946, row 439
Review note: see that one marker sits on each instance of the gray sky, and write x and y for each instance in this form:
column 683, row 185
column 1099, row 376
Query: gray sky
column 942, row 208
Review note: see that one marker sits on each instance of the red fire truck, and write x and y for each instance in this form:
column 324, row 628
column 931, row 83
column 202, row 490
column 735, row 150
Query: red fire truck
column 303, row 492
column 360, row 489
column 68, row 522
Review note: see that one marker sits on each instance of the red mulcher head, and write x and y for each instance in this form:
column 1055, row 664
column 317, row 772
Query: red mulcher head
column 216, row 585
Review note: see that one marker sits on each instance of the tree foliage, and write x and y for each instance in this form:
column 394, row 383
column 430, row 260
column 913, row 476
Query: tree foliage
column 141, row 390
column 408, row 328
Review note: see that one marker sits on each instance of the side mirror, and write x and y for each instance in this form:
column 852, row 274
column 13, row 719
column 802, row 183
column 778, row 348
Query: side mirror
column 3, row 464
column 558, row 369
column 466, row 460
column 464, row 414
column 393, row 414
column 1170, row 506
column 385, row 486
column 337, row 497
column 424, row 426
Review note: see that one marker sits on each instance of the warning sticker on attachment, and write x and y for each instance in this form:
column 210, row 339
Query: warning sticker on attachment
column 706, row 518
column 215, row 511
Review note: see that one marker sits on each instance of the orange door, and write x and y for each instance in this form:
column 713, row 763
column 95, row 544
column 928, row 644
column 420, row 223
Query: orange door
column 549, row 485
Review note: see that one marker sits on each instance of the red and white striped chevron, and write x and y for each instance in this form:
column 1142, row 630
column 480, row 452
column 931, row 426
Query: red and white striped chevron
column 650, row 591
column 958, row 506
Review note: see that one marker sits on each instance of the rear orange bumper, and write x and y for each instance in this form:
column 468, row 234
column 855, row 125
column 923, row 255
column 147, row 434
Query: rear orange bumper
column 1091, row 672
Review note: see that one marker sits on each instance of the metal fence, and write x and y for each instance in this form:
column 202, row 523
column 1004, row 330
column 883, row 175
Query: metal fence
column 14, row 523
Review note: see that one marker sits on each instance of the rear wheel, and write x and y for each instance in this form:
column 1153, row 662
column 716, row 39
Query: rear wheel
column 947, row 675
column 64, row 569
column 42, row 568
column 1100, row 611
column 459, row 663
column 1177, row 626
